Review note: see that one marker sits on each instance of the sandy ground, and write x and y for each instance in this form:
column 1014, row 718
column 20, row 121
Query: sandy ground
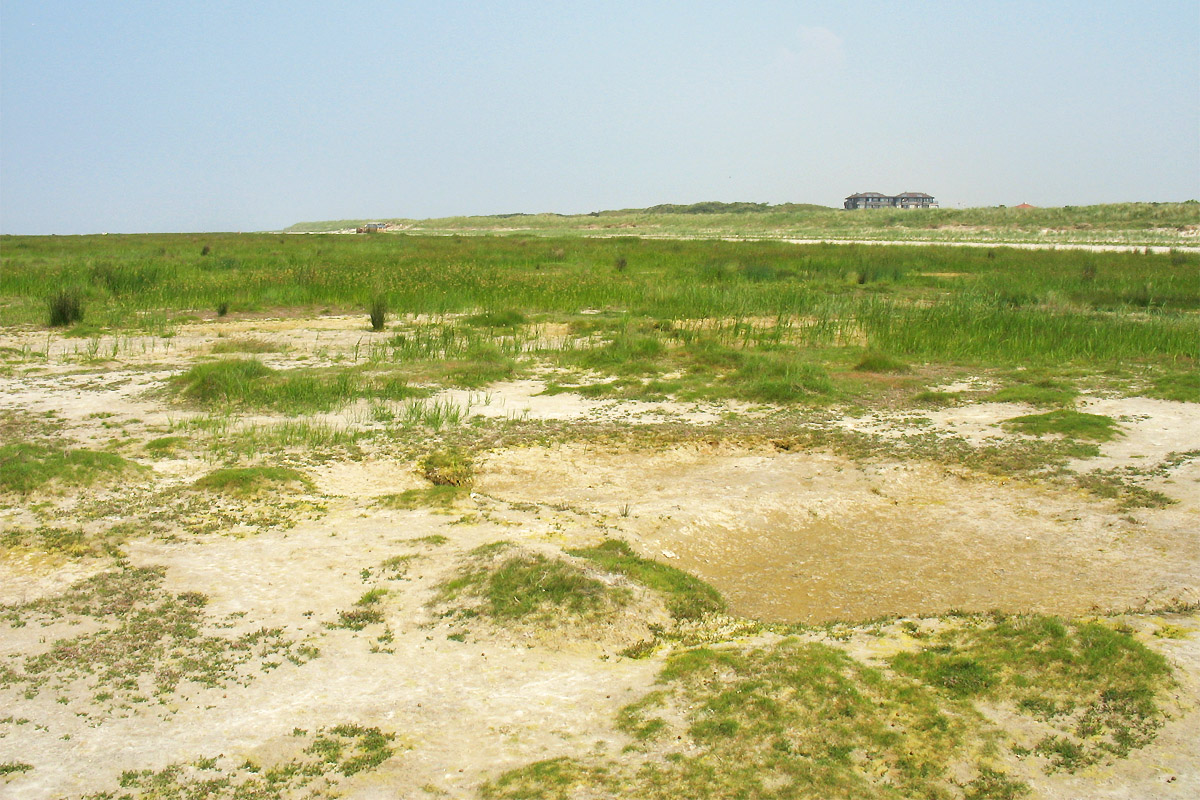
column 786, row 536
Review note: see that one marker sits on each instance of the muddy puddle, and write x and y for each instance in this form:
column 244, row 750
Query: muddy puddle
column 813, row 538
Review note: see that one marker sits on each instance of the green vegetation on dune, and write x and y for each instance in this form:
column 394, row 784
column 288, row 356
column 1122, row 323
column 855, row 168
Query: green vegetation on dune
column 1150, row 223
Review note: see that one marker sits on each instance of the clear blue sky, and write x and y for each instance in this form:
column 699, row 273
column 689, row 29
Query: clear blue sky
column 184, row 116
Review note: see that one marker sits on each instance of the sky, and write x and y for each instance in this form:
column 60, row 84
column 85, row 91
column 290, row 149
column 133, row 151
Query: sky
column 235, row 116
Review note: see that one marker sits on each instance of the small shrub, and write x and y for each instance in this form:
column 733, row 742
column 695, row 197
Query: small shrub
column 379, row 312
column 448, row 468
column 66, row 308
column 222, row 309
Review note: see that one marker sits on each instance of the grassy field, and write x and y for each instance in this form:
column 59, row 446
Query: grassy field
column 1160, row 224
column 548, row 515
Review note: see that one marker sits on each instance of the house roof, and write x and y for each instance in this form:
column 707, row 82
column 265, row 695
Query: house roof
column 867, row 194
column 914, row 194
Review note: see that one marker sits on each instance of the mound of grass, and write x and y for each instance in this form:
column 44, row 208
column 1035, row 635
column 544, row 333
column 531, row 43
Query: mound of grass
column 28, row 466
column 222, row 382
column 769, row 378
column 629, row 353
column 507, row 318
column 1095, row 686
column 1069, row 423
column 526, row 586
column 245, row 481
column 250, row 383
column 875, row 361
column 1041, row 393
column 451, row 467
column 687, row 596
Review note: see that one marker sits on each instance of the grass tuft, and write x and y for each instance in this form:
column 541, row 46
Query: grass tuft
column 687, row 596
column 448, row 468
column 66, row 308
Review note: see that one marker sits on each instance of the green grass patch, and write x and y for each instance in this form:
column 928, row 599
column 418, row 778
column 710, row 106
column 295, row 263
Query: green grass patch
column 935, row 399
column 1069, row 423
column 526, row 586
column 247, row 382
column 1182, row 387
column 245, row 481
column 30, row 466
column 14, row 767
column 143, row 639
column 687, row 597
column 328, row 755
column 1045, row 393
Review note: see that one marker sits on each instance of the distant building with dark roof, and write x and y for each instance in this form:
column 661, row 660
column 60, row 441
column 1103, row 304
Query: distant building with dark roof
column 902, row 200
